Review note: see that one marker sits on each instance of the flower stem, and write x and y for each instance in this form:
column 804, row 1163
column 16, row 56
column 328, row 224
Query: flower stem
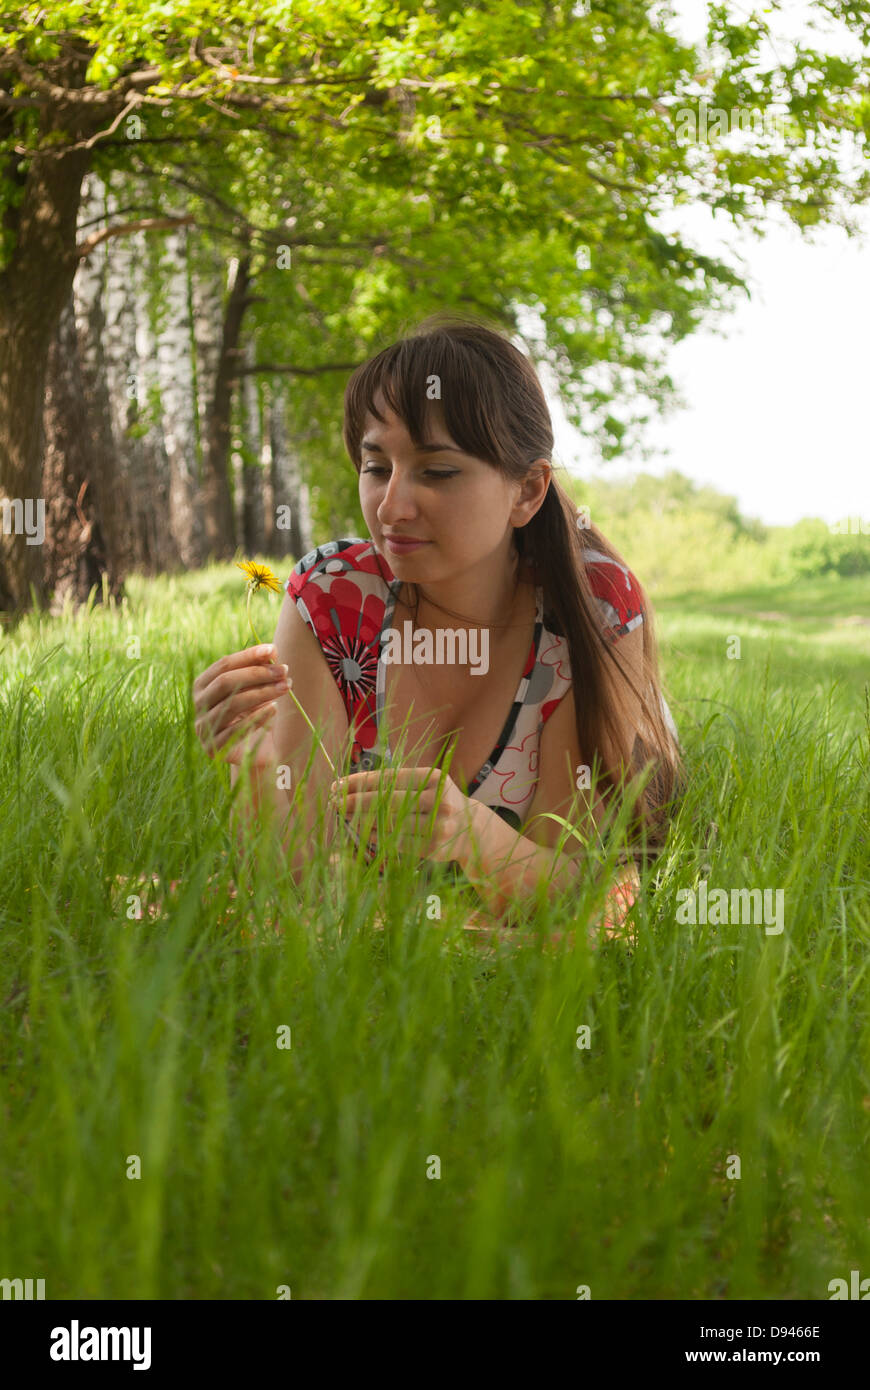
column 290, row 692
column 250, row 621
column 313, row 730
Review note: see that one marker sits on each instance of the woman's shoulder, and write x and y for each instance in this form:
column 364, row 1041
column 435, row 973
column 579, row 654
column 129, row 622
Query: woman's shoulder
column 340, row 591
column 619, row 595
column 349, row 555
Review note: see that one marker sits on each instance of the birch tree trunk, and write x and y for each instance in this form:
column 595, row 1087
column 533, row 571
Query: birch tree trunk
column 128, row 363
column 156, row 501
column 270, row 533
column 217, row 502
column 109, row 446
column 252, row 474
column 174, row 344
column 207, row 273
column 291, row 497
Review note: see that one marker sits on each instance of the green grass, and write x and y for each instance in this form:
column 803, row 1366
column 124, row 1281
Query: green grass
column 307, row 1166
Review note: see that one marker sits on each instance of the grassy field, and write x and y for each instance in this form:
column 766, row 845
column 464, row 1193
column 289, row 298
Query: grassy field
column 315, row 1166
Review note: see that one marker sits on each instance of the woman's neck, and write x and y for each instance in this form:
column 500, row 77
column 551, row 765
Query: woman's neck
column 428, row 614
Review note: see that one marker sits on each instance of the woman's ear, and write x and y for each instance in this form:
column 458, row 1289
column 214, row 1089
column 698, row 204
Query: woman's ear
column 533, row 491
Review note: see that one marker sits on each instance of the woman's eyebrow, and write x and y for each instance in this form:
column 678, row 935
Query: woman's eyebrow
column 423, row 449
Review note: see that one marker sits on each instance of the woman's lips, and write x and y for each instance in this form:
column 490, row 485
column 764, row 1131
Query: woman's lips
column 402, row 547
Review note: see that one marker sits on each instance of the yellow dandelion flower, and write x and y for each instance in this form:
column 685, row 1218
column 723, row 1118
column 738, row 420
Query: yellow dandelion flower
column 260, row 577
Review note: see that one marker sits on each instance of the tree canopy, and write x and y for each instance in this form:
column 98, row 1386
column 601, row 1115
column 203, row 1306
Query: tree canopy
column 371, row 161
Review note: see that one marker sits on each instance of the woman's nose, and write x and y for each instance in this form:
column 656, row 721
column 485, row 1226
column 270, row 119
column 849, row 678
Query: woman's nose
column 397, row 501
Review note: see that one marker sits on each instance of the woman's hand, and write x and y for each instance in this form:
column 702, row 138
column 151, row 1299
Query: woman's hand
column 235, row 702
column 428, row 833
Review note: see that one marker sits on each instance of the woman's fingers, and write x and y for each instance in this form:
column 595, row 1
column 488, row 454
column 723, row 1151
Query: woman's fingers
column 237, row 703
column 242, row 728
column 255, row 679
column 233, row 691
column 234, row 676
column 214, row 734
column 262, row 655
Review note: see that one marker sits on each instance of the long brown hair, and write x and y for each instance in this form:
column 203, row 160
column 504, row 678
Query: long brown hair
column 494, row 409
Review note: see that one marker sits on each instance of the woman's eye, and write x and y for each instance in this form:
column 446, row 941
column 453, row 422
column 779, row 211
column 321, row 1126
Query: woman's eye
column 429, row 472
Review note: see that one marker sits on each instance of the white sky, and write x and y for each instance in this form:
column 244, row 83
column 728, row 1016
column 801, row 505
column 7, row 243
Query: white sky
column 777, row 396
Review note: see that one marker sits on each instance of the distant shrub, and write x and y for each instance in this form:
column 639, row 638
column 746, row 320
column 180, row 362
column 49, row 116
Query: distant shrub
column 811, row 548
column 679, row 536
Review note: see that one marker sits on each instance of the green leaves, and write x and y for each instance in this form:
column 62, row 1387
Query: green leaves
column 475, row 148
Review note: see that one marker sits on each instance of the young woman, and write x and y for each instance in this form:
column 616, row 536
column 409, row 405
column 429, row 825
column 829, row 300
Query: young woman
column 472, row 547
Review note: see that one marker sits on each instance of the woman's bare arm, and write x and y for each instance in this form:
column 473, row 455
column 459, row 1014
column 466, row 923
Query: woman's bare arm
column 295, row 810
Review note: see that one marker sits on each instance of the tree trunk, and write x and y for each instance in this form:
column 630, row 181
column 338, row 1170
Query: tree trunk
column 115, row 345
column 74, row 477
column 111, row 476
column 147, row 428
column 207, row 273
column 267, row 468
column 217, row 502
column 34, row 287
column 252, row 472
column 291, row 498
column 178, row 404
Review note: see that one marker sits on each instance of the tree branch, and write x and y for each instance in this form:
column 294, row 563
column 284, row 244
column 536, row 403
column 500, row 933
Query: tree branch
column 196, row 138
column 21, row 103
column 232, row 74
column 79, row 96
column 146, row 224
column 618, row 187
column 118, row 212
column 135, row 100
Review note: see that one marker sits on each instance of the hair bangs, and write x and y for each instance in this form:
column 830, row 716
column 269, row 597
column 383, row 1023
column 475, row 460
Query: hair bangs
column 423, row 380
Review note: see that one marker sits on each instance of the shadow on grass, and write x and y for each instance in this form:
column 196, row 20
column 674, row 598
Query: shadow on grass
column 801, row 601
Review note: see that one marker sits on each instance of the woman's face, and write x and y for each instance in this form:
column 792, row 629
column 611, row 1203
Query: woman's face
column 460, row 506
